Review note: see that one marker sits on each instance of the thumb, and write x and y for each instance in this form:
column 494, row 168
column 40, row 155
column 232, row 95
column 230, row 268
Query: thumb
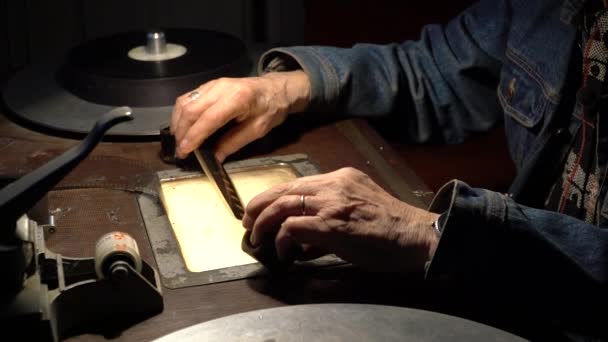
column 235, row 139
column 305, row 230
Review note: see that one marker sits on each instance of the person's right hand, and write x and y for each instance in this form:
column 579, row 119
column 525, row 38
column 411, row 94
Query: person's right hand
column 346, row 213
column 257, row 104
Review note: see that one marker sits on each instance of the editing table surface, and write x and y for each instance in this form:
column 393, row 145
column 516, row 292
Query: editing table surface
column 100, row 195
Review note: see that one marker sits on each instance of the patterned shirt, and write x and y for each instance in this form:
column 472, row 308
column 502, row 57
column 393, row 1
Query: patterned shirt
column 578, row 189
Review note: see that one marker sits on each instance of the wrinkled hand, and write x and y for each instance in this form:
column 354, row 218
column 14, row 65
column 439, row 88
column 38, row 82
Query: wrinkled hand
column 346, row 213
column 257, row 104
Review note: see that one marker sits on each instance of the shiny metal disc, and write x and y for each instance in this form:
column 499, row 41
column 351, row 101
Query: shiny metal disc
column 340, row 322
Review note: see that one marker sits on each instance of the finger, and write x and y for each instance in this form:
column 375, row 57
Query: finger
column 310, row 252
column 309, row 186
column 287, row 248
column 214, row 117
column 236, row 138
column 177, row 112
column 191, row 113
column 303, row 230
column 261, row 201
column 278, row 211
column 291, row 250
column 182, row 101
column 184, row 104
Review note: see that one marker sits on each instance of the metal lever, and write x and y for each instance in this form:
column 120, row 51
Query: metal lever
column 19, row 196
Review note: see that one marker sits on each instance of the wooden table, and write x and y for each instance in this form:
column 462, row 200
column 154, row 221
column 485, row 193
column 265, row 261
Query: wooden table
column 330, row 145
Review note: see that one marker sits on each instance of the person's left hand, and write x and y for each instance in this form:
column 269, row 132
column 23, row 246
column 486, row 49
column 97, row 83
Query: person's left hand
column 347, row 214
column 255, row 104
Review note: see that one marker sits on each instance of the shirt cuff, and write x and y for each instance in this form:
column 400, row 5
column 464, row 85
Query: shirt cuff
column 324, row 80
column 469, row 237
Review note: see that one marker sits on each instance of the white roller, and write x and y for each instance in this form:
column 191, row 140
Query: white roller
column 116, row 246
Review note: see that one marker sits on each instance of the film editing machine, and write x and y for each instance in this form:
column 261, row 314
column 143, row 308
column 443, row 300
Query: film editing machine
column 125, row 86
column 44, row 295
column 52, row 296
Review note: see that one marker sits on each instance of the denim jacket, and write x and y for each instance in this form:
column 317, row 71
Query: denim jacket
column 500, row 60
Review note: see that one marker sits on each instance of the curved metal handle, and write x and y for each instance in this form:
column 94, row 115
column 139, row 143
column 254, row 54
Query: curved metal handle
column 19, row 196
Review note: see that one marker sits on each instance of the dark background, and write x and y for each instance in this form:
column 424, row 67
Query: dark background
column 344, row 22
column 34, row 30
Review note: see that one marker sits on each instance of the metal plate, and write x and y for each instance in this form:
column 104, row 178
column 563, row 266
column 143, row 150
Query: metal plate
column 340, row 322
column 195, row 238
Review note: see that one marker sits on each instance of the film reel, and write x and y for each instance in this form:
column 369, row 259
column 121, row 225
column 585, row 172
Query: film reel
column 146, row 71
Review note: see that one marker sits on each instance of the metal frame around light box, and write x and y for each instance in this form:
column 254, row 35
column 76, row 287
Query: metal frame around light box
column 165, row 247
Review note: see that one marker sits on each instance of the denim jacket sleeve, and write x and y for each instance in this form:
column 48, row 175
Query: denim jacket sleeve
column 548, row 259
column 446, row 81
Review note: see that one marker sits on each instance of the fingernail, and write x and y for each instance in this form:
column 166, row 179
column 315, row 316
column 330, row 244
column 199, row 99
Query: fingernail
column 183, row 144
column 181, row 148
column 254, row 241
column 246, row 222
column 178, row 154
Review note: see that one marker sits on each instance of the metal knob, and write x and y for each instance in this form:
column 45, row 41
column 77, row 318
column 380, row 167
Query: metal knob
column 119, row 271
column 156, row 43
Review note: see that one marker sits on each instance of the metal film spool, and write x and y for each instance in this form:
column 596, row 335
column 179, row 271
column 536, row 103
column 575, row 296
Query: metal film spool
column 157, row 49
column 115, row 248
column 145, row 70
